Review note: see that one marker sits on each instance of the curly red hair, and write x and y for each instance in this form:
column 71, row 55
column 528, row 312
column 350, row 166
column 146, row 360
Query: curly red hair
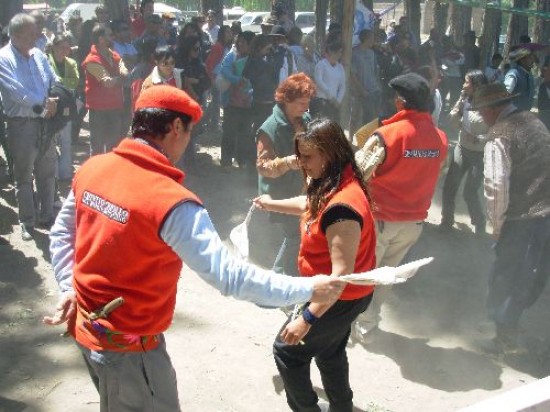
column 294, row 87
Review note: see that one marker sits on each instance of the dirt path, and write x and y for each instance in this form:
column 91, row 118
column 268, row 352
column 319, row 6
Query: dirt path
column 424, row 357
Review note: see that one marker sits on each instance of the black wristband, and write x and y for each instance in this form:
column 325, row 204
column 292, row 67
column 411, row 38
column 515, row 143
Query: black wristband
column 309, row 317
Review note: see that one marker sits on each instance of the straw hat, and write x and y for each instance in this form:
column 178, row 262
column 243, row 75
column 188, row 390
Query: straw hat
column 491, row 95
column 519, row 53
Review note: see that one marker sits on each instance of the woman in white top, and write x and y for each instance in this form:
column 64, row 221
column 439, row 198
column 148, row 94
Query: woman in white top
column 330, row 79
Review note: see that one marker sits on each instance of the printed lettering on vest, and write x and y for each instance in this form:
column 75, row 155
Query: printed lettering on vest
column 421, row 153
column 105, row 207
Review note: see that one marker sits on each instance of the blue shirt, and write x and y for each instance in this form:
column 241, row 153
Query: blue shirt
column 189, row 231
column 125, row 49
column 24, row 81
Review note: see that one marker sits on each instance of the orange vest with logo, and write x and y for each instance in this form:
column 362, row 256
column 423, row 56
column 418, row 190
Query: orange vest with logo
column 99, row 97
column 314, row 255
column 122, row 199
column 403, row 185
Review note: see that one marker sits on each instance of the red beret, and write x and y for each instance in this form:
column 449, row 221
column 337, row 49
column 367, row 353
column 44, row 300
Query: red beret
column 169, row 98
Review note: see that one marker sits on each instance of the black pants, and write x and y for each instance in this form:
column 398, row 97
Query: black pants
column 326, row 342
column 237, row 140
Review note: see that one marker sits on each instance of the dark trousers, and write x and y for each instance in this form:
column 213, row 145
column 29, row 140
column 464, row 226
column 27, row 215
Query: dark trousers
column 326, row 342
column 237, row 140
column 105, row 130
column 469, row 163
column 451, row 86
column 520, row 271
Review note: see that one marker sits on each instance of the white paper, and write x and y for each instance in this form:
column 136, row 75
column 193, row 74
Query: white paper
column 387, row 275
column 239, row 235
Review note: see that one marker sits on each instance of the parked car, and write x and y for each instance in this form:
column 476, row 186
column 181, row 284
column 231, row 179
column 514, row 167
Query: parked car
column 232, row 14
column 305, row 20
column 252, row 20
column 85, row 10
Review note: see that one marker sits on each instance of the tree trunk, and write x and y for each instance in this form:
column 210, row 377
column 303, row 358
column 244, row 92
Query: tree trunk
column 336, row 10
column 288, row 5
column 490, row 32
column 517, row 26
column 440, row 16
column 412, row 11
column 9, row 9
column 216, row 6
column 321, row 11
column 542, row 27
column 118, row 9
column 461, row 22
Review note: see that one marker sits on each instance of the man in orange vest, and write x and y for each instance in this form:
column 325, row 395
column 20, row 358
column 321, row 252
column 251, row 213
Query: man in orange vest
column 402, row 160
column 117, row 248
column 105, row 73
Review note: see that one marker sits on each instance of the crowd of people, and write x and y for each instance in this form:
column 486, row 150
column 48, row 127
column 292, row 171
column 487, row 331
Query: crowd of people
column 277, row 101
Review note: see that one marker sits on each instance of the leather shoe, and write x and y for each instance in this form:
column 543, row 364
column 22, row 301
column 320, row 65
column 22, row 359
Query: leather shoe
column 46, row 224
column 27, row 232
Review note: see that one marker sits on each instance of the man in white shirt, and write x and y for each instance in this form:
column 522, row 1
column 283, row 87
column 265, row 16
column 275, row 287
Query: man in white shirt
column 210, row 27
column 330, row 79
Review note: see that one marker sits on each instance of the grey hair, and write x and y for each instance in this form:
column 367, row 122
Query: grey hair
column 18, row 22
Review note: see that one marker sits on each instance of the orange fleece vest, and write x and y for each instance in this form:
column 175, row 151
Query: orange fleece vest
column 314, row 255
column 99, row 97
column 403, row 185
column 122, row 199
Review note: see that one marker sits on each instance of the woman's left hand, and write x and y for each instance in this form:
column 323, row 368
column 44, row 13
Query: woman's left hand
column 295, row 331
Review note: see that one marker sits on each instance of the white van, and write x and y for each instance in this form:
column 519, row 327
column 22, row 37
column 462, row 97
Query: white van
column 84, row 10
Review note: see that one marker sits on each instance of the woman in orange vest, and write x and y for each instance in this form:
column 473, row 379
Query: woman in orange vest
column 337, row 236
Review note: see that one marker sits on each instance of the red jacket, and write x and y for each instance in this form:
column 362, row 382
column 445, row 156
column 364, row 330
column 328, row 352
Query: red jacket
column 99, row 97
column 403, row 185
column 314, row 256
column 122, row 199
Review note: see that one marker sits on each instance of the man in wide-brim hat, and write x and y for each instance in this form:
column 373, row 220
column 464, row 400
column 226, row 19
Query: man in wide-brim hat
column 519, row 80
column 517, row 188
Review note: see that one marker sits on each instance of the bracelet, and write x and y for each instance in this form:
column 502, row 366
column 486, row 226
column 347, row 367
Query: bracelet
column 309, row 317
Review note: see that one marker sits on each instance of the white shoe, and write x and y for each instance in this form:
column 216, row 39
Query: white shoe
column 325, row 407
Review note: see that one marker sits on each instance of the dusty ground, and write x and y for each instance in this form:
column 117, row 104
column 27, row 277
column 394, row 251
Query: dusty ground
column 424, row 357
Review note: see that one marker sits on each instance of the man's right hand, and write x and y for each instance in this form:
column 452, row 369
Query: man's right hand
column 65, row 309
column 327, row 289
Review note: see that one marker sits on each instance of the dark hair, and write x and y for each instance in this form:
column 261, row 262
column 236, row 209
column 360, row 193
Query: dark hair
column 154, row 122
column 147, row 48
column 143, row 3
column 221, row 33
column 477, row 77
column 294, row 36
column 247, row 36
column 164, row 53
column 186, row 46
column 117, row 24
column 328, row 137
column 426, row 72
column 258, row 43
column 97, row 32
column 60, row 38
column 497, row 56
column 333, row 47
column 364, row 34
column 182, row 36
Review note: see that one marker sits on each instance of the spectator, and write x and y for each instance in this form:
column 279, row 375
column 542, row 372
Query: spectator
column 210, row 27
column 365, row 79
column 493, row 71
column 467, row 157
column 451, row 67
column 66, row 69
column 102, row 15
column 281, row 57
column 518, row 80
column 153, row 26
column 330, row 80
column 170, row 28
column 165, row 71
column 471, row 52
column 237, row 140
column 431, row 75
column 213, row 68
column 41, row 39
column 143, row 69
column 25, row 100
column 105, row 75
column 146, row 9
